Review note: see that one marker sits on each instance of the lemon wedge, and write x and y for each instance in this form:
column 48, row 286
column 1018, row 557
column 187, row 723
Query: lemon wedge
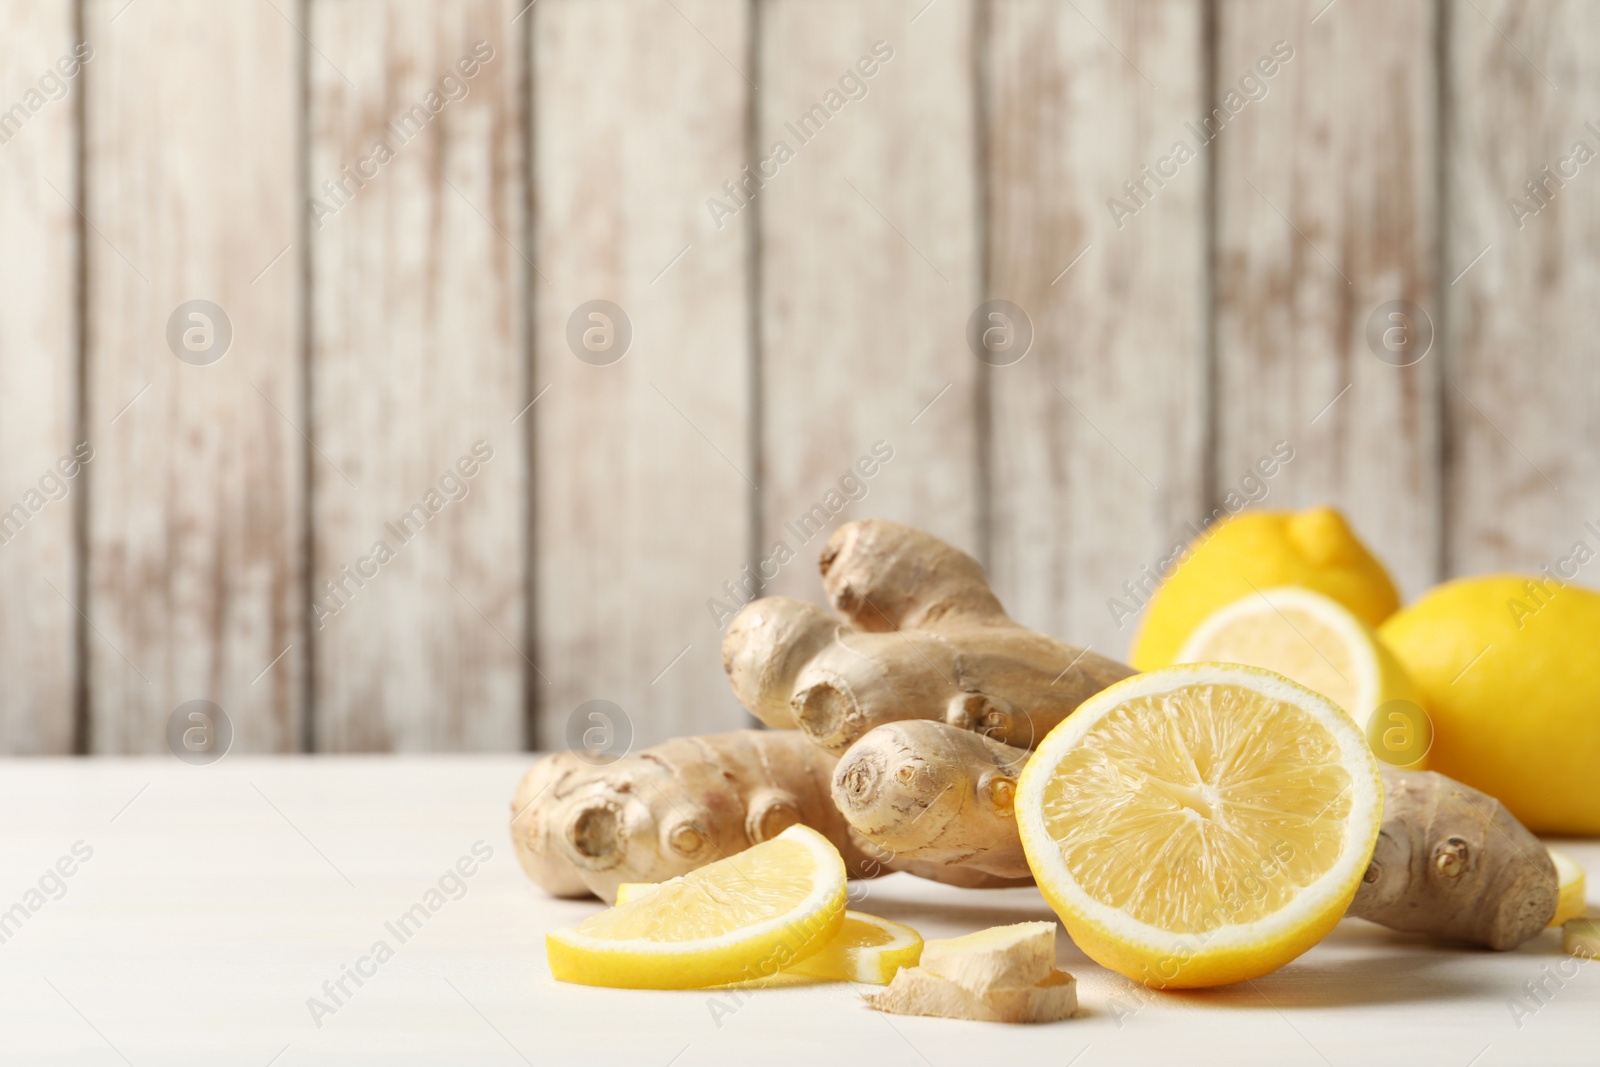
column 866, row 949
column 1201, row 824
column 1314, row 640
column 741, row 918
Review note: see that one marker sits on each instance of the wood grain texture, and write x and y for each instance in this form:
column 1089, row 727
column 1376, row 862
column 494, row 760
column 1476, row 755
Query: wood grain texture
column 1326, row 212
column 38, row 375
column 643, row 471
column 1523, row 393
column 1097, row 431
column 869, row 269
column 197, row 495
column 418, row 369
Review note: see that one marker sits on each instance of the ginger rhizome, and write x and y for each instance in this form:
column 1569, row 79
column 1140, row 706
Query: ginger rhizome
column 923, row 637
column 581, row 828
column 1450, row 861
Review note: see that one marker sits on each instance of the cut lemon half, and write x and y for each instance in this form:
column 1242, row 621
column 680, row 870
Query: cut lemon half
column 1201, row 824
column 866, row 948
column 1316, row 641
column 741, row 918
column 1570, row 900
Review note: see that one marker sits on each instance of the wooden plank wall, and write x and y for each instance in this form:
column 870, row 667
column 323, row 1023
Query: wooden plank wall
column 594, row 315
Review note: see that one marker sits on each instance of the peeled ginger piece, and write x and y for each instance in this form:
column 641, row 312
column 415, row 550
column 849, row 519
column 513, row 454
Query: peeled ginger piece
column 1006, row 974
column 1001, row 957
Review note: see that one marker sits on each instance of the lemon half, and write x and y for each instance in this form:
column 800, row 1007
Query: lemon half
column 1314, row 640
column 741, row 918
column 1202, row 824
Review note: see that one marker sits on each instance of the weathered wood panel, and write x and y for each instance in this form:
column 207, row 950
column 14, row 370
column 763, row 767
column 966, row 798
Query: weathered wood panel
column 41, row 77
column 1097, row 430
column 197, row 492
column 418, row 373
column 1326, row 296
column 1523, row 265
column 642, row 461
column 869, row 269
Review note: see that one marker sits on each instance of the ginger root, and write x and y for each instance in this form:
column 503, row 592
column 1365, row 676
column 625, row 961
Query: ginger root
column 937, row 793
column 653, row 815
column 924, row 637
column 666, row 810
column 1453, row 862
column 1450, row 861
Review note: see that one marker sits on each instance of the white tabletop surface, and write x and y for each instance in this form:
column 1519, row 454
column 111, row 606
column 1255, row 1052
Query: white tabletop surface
column 216, row 901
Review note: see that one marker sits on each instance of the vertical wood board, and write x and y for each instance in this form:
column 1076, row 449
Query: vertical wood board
column 197, row 492
column 643, row 470
column 418, row 373
column 869, row 270
column 1327, row 307
column 41, row 476
column 1523, row 390
column 1097, row 430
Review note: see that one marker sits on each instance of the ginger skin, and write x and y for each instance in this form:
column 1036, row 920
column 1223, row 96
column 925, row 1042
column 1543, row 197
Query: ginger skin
column 666, row 810
column 1454, row 863
column 924, row 637
column 653, row 815
column 1450, row 862
column 937, row 793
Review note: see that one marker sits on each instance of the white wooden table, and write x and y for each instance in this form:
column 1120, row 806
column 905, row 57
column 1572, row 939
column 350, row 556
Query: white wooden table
column 216, row 901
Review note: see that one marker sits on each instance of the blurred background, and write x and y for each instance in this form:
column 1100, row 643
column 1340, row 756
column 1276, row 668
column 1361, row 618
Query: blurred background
column 402, row 376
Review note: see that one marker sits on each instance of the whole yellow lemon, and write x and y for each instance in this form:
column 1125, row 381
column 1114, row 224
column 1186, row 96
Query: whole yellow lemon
column 1510, row 670
column 1257, row 550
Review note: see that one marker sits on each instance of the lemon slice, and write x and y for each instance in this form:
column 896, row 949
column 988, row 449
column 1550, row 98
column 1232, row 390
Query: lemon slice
column 1316, row 641
column 1202, row 824
column 1570, row 902
column 866, row 948
column 741, row 918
